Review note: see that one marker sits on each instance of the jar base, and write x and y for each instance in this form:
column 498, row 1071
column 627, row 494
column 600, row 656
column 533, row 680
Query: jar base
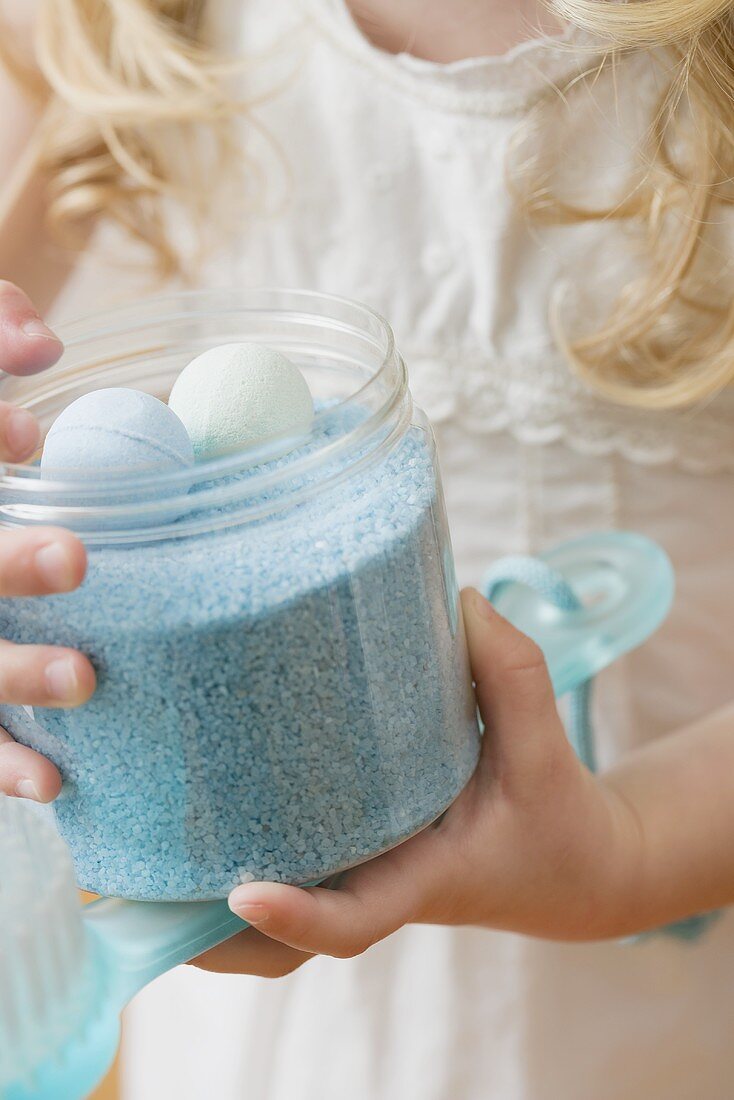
column 96, row 886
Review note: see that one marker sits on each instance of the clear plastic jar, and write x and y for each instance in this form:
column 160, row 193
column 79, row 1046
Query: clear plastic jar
column 283, row 688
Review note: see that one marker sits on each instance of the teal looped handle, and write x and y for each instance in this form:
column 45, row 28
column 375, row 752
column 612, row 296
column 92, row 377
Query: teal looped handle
column 586, row 602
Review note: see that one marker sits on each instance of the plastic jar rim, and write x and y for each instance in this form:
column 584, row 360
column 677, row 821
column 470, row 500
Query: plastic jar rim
column 20, row 484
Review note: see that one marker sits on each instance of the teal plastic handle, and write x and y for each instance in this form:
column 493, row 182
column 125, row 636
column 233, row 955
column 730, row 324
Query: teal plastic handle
column 625, row 585
column 140, row 940
column 130, row 943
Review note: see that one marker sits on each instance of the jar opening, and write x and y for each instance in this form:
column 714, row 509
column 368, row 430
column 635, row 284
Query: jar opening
column 345, row 350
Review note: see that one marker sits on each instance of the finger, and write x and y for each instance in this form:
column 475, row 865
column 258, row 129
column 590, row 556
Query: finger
column 514, row 692
column 26, row 774
column 252, row 953
column 44, row 676
column 19, row 433
column 40, row 562
column 369, row 903
column 27, row 345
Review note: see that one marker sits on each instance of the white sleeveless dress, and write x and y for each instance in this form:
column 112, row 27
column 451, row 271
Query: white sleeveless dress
column 386, row 183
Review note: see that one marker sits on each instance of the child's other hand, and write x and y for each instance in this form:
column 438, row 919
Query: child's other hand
column 33, row 563
column 534, row 843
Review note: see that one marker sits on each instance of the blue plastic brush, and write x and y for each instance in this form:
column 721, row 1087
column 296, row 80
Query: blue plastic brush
column 66, row 971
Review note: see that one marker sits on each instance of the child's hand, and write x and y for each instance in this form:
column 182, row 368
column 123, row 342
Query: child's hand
column 534, row 843
column 33, row 563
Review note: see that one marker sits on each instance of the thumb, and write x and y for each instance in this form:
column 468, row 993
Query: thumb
column 366, row 904
column 27, row 345
column 524, row 734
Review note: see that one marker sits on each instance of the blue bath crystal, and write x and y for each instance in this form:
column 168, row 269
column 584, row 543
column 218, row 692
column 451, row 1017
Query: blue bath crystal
column 276, row 700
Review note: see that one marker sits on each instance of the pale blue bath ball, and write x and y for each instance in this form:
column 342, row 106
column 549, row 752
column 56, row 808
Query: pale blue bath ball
column 116, row 430
column 241, row 395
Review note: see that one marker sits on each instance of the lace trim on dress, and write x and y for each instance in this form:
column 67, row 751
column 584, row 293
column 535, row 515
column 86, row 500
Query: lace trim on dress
column 538, row 401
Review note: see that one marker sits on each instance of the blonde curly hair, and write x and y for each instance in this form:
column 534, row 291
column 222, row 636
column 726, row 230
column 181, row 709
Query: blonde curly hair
column 132, row 82
column 132, row 92
column 668, row 341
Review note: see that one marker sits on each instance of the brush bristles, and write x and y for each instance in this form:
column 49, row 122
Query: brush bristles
column 44, row 968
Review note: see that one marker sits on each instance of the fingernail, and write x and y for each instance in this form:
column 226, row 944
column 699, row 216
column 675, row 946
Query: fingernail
column 26, row 788
column 482, row 606
column 251, row 911
column 61, row 680
column 21, row 432
column 55, row 566
column 35, row 328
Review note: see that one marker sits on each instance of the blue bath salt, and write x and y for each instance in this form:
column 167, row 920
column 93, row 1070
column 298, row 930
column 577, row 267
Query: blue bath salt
column 276, row 700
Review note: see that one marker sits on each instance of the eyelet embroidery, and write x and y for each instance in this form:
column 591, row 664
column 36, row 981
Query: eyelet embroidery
column 538, row 401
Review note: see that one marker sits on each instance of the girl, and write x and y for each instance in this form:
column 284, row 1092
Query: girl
column 537, row 199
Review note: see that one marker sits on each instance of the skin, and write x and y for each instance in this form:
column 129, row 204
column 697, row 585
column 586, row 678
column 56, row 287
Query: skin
column 445, row 32
column 535, row 843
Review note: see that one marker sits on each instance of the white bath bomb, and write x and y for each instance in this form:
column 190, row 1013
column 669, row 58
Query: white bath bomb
column 115, row 429
column 240, row 395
